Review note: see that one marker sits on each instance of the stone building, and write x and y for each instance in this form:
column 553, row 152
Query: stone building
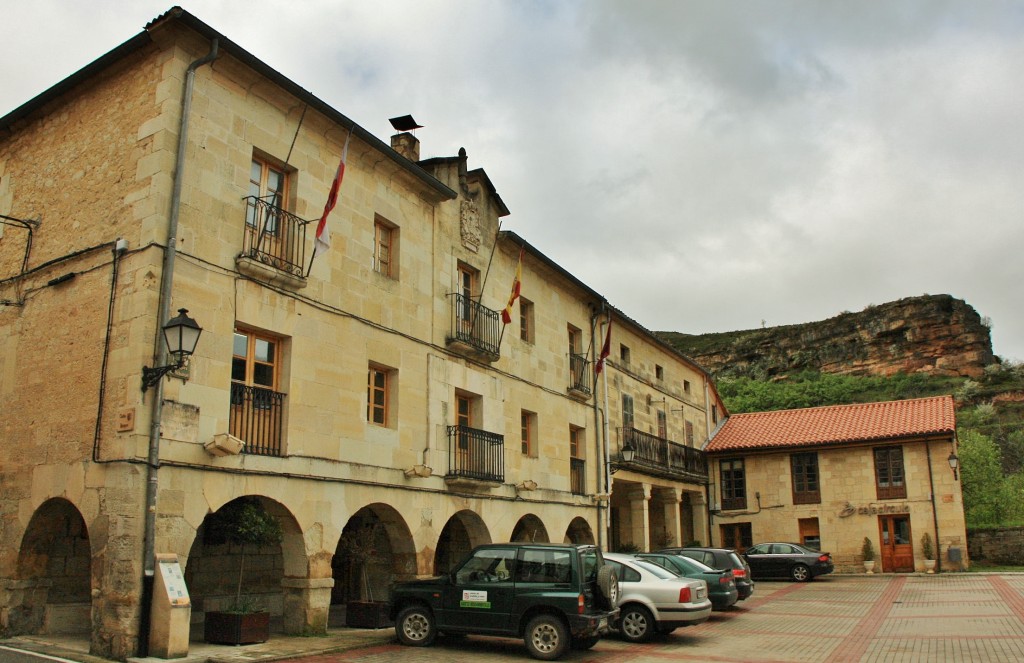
column 372, row 400
column 832, row 476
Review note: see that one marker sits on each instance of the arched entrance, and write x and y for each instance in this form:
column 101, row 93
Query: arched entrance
column 530, row 529
column 54, row 570
column 375, row 551
column 217, row 568
column 464, row 531
column 579, row 532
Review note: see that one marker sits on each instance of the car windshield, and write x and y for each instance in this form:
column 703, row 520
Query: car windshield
column 699, row 567
column 737, row 563
column 654, row 569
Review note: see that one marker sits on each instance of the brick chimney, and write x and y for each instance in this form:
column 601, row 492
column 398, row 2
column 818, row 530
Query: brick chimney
column 407, row 145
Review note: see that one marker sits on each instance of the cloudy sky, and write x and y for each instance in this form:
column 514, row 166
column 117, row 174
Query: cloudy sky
column 707, row 166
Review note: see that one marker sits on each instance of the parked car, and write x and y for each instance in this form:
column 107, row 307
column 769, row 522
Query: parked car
column 721, row 585
column 787, row 560
column 552, row 595
column 725, row 559
column 653, row 599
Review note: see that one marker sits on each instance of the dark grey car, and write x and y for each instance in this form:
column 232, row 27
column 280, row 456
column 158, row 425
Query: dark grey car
column 725, row 559
column 787, row 560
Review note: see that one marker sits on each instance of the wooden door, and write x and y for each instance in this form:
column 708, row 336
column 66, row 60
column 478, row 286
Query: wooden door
column 897, row 544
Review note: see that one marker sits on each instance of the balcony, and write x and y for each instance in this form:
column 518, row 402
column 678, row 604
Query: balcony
column 579, row 376
column 657, row 456
column 476, row 329
column 274, row 244
column 475, row 456
column 257, row 417
column 578, row 476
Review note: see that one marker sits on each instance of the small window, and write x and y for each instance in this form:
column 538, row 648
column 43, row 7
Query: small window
column 659, row 373
column 662, row 425
column 624, row 354
column 526, row 320
column 686, row 386
column 385, row 248
column 889, row 477
column 527, row 432
column 689, row 433
column 627, row 411
column 378, row 395
column 734, row 484
column 714, row 414
column 466, row 292
column 805, row 478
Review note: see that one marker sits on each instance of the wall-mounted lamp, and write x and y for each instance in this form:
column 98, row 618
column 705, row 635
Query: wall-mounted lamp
column 626, row 455
column 181, row 333
column 954, row 463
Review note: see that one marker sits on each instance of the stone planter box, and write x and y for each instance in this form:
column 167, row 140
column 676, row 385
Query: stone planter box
column 233, row 628
column 367, row 614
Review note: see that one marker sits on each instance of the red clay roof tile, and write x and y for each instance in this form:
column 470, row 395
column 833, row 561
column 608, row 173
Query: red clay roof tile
column 835, row 424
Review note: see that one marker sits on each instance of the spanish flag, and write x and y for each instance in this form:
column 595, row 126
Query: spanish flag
column 506, row 315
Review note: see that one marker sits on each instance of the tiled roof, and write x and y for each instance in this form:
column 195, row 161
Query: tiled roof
column 835, row 424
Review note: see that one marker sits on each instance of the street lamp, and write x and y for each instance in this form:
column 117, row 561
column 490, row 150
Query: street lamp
column 181, row 333
column 626, row 455
column 954, row 463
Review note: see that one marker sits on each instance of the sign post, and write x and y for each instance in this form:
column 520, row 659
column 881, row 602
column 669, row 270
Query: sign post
column 171, row 611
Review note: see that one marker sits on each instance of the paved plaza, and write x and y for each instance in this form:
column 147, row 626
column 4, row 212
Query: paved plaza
column 835, row 619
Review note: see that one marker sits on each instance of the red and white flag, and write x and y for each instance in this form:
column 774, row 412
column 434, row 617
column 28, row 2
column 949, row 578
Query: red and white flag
column 323, row 234
column 506, row 315
column 606, row 349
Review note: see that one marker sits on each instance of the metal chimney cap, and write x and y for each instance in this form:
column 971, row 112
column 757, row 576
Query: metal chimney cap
column 404, row 123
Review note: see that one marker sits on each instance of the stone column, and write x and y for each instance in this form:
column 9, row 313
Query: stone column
column 700, row 518
column 670, row 499
column 639, row 497
column 307, row 602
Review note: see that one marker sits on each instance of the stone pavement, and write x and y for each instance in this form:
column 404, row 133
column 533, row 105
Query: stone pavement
column 835, row 619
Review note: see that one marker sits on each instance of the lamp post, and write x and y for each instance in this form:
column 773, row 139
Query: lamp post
column 181, row 333
column 954, row 463
column 626, row 455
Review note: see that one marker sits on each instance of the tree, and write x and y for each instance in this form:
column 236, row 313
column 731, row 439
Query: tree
column 990, row 498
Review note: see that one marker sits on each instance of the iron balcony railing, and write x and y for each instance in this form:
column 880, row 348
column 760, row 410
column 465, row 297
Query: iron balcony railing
column 579, row 374
column 660, row 456
column 475, row 325
column 578, row 476
column 476, row 454
column 274, row 236
column 257, row 418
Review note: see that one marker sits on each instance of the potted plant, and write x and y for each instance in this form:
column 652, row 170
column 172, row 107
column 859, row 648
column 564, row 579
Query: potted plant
column 366, row 610
column 929, row 552
column 241, row 522
column 867, row 550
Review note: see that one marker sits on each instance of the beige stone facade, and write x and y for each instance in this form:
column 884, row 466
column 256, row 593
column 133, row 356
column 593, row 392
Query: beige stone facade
column 870, row 483
column 383, row 405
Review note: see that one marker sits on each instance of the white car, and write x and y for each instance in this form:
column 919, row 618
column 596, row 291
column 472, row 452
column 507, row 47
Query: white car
column 653, row 599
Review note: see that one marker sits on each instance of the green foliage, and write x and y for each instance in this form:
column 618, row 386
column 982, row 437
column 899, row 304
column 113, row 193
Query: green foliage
column 926, row 546
column 990, row 497
column 867, row 550
column 245, row 522
column 628, row 548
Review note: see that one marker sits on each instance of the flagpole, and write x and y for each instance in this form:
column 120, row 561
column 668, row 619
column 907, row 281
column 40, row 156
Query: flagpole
column 332, row 199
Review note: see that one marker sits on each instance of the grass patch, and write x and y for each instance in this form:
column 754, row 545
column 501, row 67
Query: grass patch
column 995, row 568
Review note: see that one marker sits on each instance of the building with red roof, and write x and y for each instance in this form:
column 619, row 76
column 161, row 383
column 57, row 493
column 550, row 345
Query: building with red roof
column 831, row 476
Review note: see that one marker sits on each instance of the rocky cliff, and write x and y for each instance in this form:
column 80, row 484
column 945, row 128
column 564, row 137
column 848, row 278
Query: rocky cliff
column 933, row 333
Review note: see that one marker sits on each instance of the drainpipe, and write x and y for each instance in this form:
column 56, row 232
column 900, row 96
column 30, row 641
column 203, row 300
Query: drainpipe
column 603, row 512
column 160, row 350
column 935, row 513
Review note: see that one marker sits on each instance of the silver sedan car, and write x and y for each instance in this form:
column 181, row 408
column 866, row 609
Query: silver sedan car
column 655, row 600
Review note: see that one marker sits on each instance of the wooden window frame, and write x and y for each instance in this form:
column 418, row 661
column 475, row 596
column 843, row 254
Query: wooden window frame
column 385, row 241
column 261, row 188
column 624, row 354
column 526, row 326
column 733, row 479
column 577, row 443
column 528, row 433
column 890, row 472
column 372, row 389
column 689, row 433
column 806, row 477
column 628, row 413
column 251, row 362
column 662, row 419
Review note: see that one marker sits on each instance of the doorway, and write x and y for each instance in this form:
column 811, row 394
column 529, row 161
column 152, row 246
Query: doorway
column 897, row 546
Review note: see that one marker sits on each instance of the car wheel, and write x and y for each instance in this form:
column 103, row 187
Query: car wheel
column 800, row 573
column 415, row 626
column 546, row 637
column 583, row 644
column 608, row 587
column 636, row 623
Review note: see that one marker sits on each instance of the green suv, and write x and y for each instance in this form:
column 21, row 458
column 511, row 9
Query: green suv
column 552, row 595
